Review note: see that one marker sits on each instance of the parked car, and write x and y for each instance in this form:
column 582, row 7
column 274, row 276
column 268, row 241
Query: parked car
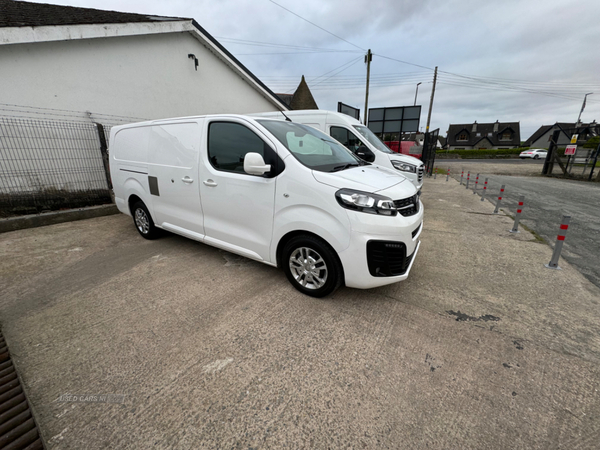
column 358, row 139
column 274, row 191
column 535, row 153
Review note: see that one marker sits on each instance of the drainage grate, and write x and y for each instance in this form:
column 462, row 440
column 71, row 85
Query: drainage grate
column 17, row 426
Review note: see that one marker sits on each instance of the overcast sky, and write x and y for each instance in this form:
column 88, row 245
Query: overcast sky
column 528, row 61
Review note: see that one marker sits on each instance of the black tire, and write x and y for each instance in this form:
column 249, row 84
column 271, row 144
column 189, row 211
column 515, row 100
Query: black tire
column 143, row 221
column 536, row 157
column 307, row 261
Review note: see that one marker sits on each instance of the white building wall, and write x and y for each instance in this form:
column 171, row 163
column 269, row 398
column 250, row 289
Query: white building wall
column 144, row 76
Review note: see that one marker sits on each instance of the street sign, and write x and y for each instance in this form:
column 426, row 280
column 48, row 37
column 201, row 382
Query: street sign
column 571, row 149
column 574, row 139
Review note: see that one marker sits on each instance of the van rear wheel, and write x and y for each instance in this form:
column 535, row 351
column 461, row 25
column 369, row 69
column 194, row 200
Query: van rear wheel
column 143, row 221
column 312, row 266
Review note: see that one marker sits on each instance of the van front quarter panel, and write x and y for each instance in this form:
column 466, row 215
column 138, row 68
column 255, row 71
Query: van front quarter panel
column 306, row 218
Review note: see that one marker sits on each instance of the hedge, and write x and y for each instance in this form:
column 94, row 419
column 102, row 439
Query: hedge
column 501, row 153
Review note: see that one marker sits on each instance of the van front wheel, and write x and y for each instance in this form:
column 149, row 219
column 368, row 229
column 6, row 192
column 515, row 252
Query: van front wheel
column 312, row 266
column 143, row 221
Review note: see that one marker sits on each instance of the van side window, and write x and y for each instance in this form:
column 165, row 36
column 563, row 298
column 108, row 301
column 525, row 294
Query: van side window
column 350, row 141
column 228, row 144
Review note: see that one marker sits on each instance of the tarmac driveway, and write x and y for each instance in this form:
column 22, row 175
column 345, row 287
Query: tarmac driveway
column 477, row 349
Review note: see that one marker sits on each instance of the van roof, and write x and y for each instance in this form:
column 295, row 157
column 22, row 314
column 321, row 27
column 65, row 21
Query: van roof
column 330, row 116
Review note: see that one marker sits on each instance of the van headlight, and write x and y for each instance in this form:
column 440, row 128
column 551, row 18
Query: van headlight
column 365, row 202
column 404, row 167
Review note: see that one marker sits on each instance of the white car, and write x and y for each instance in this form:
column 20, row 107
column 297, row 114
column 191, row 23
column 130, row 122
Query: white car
column 535, row 153
column 278, row 192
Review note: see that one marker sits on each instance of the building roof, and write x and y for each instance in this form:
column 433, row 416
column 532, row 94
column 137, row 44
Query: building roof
column 23, row 15
column 565, row 127
column 477, row 132
column 303, row 98
column 26, row 14
column 286, row 98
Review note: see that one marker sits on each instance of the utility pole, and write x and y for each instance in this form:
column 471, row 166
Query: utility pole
column 368, row 58
column 431, row 101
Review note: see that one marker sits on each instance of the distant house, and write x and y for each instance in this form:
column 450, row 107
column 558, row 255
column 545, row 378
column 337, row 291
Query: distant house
column 302, row 98
column 541, row 138
column 121, row 64
column 483, row 135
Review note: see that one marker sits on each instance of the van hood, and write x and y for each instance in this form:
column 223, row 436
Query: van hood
column 370, row 178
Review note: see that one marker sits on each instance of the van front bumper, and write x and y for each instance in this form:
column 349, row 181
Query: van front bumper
column 373, row 259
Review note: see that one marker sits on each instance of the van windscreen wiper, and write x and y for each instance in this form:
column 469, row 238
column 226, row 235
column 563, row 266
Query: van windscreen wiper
column 344, row 166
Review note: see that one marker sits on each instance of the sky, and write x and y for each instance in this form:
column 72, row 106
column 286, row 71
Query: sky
column 527, row 61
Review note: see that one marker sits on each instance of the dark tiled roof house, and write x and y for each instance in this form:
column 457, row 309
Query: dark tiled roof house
column 541, row 137
column 484, row 135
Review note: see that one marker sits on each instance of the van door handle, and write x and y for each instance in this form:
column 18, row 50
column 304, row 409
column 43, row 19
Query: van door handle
column 209, row 182
column 187, row 179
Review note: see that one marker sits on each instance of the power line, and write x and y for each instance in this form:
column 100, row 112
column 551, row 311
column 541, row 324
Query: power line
column 314, row 24
column 270, row 44
column 354, row 62
column 403, row 62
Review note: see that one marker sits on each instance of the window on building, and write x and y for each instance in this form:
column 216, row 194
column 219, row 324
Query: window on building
column 506, row 136
column 463, row 137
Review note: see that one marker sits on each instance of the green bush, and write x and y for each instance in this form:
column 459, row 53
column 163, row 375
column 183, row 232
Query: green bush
column 592, row 143
column 485, row 153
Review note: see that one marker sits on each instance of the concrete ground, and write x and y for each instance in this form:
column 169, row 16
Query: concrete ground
column 546, row 201
column 482, row 347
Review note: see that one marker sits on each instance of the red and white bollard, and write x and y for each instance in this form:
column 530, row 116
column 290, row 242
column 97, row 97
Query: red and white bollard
column 468, row 178
column 476, row 183
column 484, row 190
column 461, row 176
column 515, row 228
column 448, row 174
column 560, row 239
column 499, row 200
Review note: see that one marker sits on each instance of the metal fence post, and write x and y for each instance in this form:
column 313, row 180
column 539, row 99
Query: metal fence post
column 515, row 228
column 499, row 200
column 484, row 190
column 468, row 178
column 476, row 183
column 560, row 239
column 448, row 174
column 104, row 152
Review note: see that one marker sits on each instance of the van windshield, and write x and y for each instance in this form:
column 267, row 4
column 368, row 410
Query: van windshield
column 314, row 149
column 373, row 139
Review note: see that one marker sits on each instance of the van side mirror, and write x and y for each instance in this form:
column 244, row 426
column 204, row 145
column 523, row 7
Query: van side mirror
column 364, row 153
column 254, row 164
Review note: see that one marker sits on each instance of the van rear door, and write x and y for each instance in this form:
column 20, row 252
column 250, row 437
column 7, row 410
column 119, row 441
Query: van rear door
column 173, row 151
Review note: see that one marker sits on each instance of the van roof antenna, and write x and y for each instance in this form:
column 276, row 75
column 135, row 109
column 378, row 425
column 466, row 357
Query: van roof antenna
column 286, row 117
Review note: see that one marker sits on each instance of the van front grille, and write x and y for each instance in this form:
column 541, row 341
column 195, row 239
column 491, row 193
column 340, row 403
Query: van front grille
column 420, row 171
column 408, row 206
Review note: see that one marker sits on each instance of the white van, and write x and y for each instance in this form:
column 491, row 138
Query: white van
column 274, row 191
column 359, row 139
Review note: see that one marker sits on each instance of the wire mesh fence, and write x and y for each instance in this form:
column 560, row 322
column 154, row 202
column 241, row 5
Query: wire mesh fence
column 49, row 165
